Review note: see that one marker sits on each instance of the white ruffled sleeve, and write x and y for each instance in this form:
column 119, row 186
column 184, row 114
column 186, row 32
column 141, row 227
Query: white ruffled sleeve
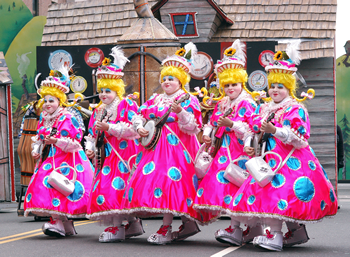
column 37, row 144
column 67, row 144
column 90, row 143
column 290, row 136
column 138, row 121
column 188, row 123
column 123, row 130
column 242, row 130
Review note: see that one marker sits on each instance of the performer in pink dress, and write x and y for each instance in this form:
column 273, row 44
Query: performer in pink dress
column 112, row 117
column 63, row 148
column 165, row 181
column 300, row 192
column 215, row 192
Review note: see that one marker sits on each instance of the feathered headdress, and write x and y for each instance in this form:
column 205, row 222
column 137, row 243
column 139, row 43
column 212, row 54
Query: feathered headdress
column 234, row 57
column 59, row 78
column 109, row 70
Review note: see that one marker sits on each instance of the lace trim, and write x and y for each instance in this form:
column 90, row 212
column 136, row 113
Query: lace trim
column 68, row 144
column 242, row 130
column 191, row 126
column 167, row 100
column 226, row 103
column 137, row 120
column 110, row 108
column 44, row 212
column 295, row 138
column 49, row 119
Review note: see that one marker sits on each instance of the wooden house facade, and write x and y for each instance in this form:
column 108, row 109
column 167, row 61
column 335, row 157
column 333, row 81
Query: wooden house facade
column 312, row 21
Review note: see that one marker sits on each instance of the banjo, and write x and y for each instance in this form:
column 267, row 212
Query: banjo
column 154, row 126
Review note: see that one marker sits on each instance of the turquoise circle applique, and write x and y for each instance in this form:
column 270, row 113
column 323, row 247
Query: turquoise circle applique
column 64, row 132
column 158, row 192
column 312, row 150
column 200, row 192
column 91, row 132
column 257, row 110
column 325, row 173
column 52, row 151
column 142, row 107
column 123, row 145
column 190, row 110
column 226, row 139
column 148, row 168
column 172, row 139
column 29, row 197
column 138, row 158
column 46, row 184
column 170, row 119
column 78, row 192
column 312, row 165
column 63, row 117
column 188, row 160
column 271, row 144
column 282, row 204
column 288, row 109
column 220, row 177
column 227, row 199
column 237, row 199
column 100, row 199
column 161, row 108
column 331, row 196
column 129, row 102
column 215, row 123
column 241, row 164
column 304, row 189
column 95, row 186
column 36, row 170
column 272, row 163
column 286, row 122
column 227, row 129
column 302, row 130
column 47, row 166
column 41, row 137
column 136, row 142
column 252, row 181
column 56, row 202
column 65, row 171
column 189, row 202
column 253, row 105
column 118, row 183
column 240, row 141
column 83, row 155
column 106, row 170
column 293, row 163
column 278, row 181
column 218, row 113
column 80, row 168
column 122, row 168
column 242, row 111
column 41, row 118
column 195, row 182
column 185, row 103
column 302, row 114
column 175, row 174
column 323, row 205
column 122, row 113
column 75, row 122
column 151, row 115
column 130, row 115
column 78, row 136
column 251, row 199
column 108, row 149
column 130, row 194
column 222, row 159
column 256, row 128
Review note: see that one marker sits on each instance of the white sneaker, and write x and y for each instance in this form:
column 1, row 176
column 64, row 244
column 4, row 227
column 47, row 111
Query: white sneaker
column 69, row 228
column 187, row 229
column 250, row 233
column 162, row 237
column 273, row 242
column 112, row 234
column 134, row 228
column 230, row 235
column 295, row 237
column 54, row 228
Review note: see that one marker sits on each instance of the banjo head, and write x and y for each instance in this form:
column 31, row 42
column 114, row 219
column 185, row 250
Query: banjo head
column 150, row 126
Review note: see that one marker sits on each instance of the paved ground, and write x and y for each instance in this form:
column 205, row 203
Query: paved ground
column 21, row 236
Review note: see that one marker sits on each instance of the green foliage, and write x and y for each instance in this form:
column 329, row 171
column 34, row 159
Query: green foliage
column 344, row 124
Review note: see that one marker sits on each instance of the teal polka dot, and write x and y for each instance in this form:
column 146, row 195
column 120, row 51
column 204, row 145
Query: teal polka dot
column 188, row 160
column 122, row 168
column 151, row 115
column 95, row 186
column 100, row 199
column 302, row 130
column 282, row 204
column 271, row 144
column 136, row 142
column 118, row 183
column 64, row 171
column 158, row 192
column 227, row 199
column 228, row 139
column 195, row 182
column 64, row 133
column 106, row 170
column 46, row 184
column 302, row 114
column 200, row 192
column 142, row 107
column 170, row 119
column 91, row 132
column 278, row 181
column 190, row 110
column 312, row 150
column 56, row 202
column 172, row 139
column 123, row 145
column 129, row 102
column 47, row 166
column 185, row 103
column 36, row 170
column 138, row 158
column 78, row 192
column 293, row 163
column 148, row 168
column 242, row 111
column 252, row 181
column 323, row 205
column 80, row 168
column 325, row 173
column 131, row 114
column 75, row 122
column 83, row 155
column 237, row 199
column 256, row 128
column 241, row 164
column 220, row 177
column 304, row 189
column 122, row 113
column 240, row 141
column 130, row 194
column 312, row 165
column 251, row 199
column 222, row 159
column 63, row 117
column 218, row 113
column 108, row 149
column 161, row 108
column 331, row 195
column 174, row 174
column 52, row 151
column 29, row 197
column 189, row 202
column 288, row 109
column 272, row 163
column 78, row 136
column 286, row 123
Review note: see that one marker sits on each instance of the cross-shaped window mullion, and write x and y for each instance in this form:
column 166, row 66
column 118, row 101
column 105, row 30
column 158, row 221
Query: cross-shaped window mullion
column 185, row 23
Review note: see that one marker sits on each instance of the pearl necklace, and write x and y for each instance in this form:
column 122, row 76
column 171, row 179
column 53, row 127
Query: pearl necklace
column 50, row 119
column 167, row 100
column 111, row 110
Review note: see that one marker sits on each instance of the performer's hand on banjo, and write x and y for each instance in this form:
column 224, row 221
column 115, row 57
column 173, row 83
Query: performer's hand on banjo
column 36, row 156
column 249, row 150
column 225, row 122
column 50, row 140
column 102, row 126
column 176, row 108
column 268, row 128
column 207, row 140
column 90, row 154
column 142, row 132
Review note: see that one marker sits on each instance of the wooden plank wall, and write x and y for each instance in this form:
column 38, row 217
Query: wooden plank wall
column 319, row 75
column 207, row 20
column 4, row 152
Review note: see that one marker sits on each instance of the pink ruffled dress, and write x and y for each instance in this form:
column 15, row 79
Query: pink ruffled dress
column 111, row 181
column 41, row 198
column 300, row 191
column 215, row 192
column 165, row 179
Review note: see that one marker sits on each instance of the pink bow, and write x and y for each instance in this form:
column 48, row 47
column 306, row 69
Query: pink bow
column 229, row 229
column 268, row 234
column 310, row 96
column 210, row 100
column 200, row 94
column 113, row 230
column 163, row 230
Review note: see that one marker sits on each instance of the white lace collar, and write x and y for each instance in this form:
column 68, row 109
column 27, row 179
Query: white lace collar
column 111, row 110
column 166, row 100
column 49, row 119
column 273, row 107
column 226, row 103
